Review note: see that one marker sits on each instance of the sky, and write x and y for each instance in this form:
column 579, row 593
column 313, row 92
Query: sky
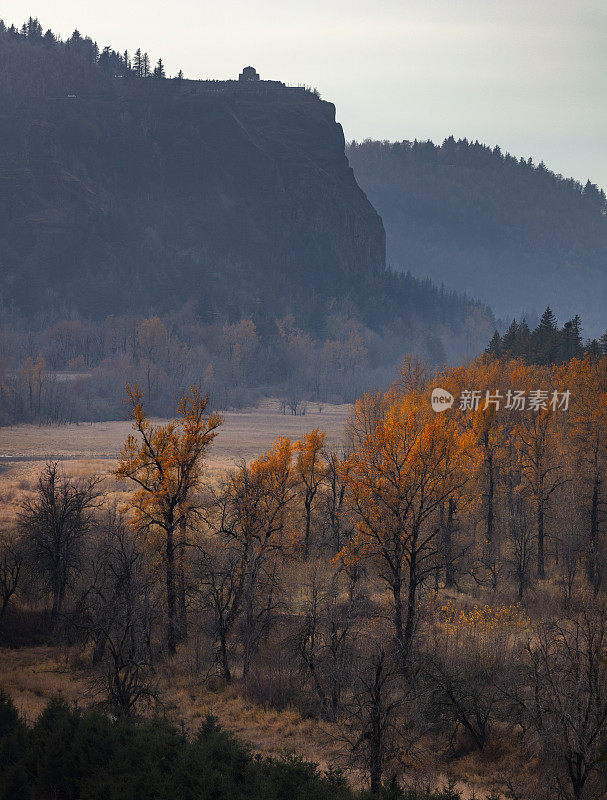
column 529, row 75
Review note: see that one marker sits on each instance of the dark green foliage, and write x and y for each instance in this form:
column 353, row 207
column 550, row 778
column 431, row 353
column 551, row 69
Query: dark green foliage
column 547, row 344
column 71, row 754
column 501, row 228
column 14, row 742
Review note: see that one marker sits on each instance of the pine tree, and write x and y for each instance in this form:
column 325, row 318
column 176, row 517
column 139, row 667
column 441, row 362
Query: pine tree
column 138, row 63
column 145, row 66
column 509, row 342
column 523, row 341
column 495, row 345
column 547, row 322
column 159, row 72
column 546, row 339
column 105, row 59
column 572, row 339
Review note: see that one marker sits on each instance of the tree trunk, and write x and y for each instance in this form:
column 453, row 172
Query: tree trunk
column 541, row 568
column 225, row 664
column 491, row 526
column 448, row 546
column 308, row 507
column 593, row 568
column 58, row 595
column 411, row 598
column 183, row 623
column 398, row 609
column 171, row 594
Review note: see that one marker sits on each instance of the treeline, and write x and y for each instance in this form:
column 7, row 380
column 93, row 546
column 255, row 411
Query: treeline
column 483, row 221
column 78, row 48
column 547, row 343
column 440, row 579
column 119, row 201
column 74, row 369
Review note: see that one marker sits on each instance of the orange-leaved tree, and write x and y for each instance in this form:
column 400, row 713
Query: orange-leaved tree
column 253, row 505
column 165, row 462
column 542, row 467
column 586, row 380
column 405, row 465
column 310, row 469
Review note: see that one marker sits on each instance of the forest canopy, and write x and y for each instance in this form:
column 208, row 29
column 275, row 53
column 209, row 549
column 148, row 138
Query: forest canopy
column 480, row 220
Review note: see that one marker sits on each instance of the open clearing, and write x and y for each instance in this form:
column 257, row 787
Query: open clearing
column 31, row 675
column 85, row 448
column 244, row 435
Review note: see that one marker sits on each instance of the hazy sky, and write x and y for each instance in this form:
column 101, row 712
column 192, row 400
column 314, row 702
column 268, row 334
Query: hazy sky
column 529, row 75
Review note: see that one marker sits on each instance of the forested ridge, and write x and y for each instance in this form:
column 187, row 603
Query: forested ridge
column 483, row 221
column 228, row 222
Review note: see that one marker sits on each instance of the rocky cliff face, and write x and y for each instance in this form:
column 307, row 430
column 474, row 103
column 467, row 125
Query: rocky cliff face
column 140, row 195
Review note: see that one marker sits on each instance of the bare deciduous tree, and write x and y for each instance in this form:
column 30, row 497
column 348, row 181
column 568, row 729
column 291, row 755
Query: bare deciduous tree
column 371, row 723
column 325, row 643
column 11, row 569
column 564, row 702
column 217, row 590
column 54, row 525
column 116, row 613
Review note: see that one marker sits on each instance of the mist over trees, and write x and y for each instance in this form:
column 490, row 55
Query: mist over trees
column 483, row 221
column 74, row 369
column 176, row 233
column 430, row 597
column 547, row 343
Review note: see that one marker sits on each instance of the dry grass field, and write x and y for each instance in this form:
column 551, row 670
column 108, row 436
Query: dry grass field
column 87, row 448
column 31, row 675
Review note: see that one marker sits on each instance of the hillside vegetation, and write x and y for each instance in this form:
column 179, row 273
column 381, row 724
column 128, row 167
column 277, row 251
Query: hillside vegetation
column 183, row 230
column 500, row 228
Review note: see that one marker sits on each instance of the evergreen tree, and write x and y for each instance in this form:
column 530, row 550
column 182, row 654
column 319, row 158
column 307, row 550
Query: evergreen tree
column 138, row 63
column 572, row 339
column 34, row 29
column 495, row 345
column 145, row 66
column 159, row 72
column 523, row 341
column 545, row 339
column 509, row 341
column 105, row 59
column 547, row 323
